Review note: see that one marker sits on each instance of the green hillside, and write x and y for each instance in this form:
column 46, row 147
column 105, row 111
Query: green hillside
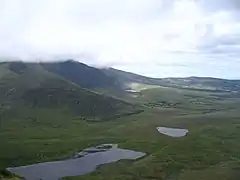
column 126, row 77
column 46, row 116
column 209, row 152
column 205, row 83
column 81, row 74
column 31, row 86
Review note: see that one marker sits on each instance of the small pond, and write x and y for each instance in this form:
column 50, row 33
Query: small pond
column 83, row 162
column 173, row 132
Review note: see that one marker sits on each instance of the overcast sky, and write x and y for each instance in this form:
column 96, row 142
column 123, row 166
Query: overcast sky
column 158, row 38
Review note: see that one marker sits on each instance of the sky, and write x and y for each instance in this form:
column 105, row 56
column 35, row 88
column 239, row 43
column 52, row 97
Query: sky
column 157, row 38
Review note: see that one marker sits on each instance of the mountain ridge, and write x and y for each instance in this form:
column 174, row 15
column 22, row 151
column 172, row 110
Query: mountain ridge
column 32, row 86
column 193, row 82
column 91, row 77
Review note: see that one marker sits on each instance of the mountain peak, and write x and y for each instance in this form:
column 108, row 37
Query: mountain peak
column 79, row 73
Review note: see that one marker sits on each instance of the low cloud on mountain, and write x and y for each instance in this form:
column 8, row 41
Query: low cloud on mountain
column 150, row 37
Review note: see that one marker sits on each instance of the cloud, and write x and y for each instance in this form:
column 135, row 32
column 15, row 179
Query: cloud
column 219, row 5
column 183, row 36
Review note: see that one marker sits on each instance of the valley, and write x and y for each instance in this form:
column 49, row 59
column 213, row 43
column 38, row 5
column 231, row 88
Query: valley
column 46, row 116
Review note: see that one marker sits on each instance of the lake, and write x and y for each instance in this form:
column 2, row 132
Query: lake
column 173, row 132
column 74, row 167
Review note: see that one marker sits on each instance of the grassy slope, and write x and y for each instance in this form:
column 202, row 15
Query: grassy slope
column 210, row 151
column 81, row 74
column 205, row 83
column 199, row 83
column 35, row 100
column 34, row 87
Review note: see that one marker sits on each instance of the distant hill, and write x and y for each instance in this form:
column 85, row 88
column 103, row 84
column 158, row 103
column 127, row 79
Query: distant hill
column 31, row 85
column 71, row 84
column 207, row 83
column 124, row 77
column 200, row 83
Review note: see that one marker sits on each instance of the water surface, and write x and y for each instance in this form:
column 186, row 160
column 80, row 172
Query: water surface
column 74, row 167
column 173, row 132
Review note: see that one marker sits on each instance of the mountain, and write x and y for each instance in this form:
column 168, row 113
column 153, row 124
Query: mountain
column 124, row 77
column 199, row 83
column 81, row 74
column 48, row 113
column 31, row 85
column 207, row 83
column 93, row 78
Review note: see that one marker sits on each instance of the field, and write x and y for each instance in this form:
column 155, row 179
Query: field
column 210, row 151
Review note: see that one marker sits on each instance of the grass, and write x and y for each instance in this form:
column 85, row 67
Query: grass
column 209, row 145
column 210, row 151
column 56, row 130
column 30, row 85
